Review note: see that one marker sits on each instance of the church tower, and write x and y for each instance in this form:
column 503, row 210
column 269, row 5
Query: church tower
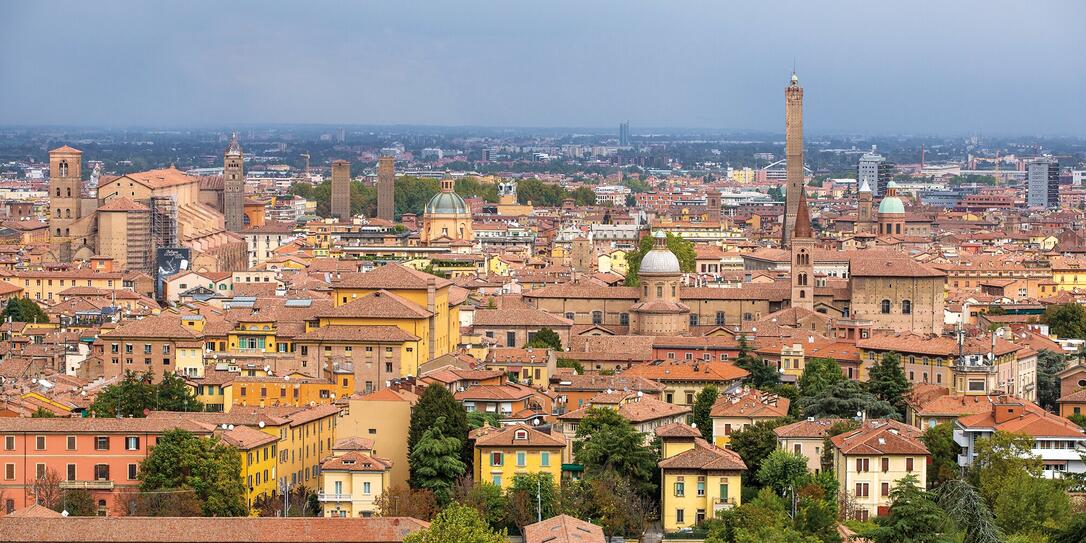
column 802, row 266
column 863, row 215
column 65, row 187
column 712, row 202
column 233, row 189
column 793, row 154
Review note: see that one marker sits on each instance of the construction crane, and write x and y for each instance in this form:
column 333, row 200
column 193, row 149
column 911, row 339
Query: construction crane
column 305, row 155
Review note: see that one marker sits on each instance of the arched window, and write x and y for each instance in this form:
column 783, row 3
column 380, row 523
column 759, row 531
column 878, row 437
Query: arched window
column 62, row 168
column 802, row 294
column 58, row 192
column 885, row 307
column 68, row 213
column 58, row 231
column 906, row 307
column 69, row 190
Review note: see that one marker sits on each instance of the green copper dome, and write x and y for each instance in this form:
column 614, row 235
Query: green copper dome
column 891, row 204
column 446, row 202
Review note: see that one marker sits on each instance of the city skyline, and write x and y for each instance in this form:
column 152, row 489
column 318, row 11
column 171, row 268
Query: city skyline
column 489, row 65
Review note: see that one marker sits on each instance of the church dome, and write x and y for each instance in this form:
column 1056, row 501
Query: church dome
column 891, row 204
column 660, row 259
column 446, row 202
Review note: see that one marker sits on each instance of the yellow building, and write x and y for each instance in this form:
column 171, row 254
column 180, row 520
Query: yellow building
column 352, row 480
column 383, row 416
column 870, row 460
column 47, row 285
column 258, row 451
column 418, row 303
column 292, row 390
column 697, row 479
column 733, row 412
column 503, row 453
column 1068, row 274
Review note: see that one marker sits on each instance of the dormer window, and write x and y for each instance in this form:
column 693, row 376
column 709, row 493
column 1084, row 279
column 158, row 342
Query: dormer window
column 520, row 434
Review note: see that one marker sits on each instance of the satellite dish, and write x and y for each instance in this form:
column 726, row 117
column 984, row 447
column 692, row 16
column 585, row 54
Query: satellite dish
column 260, row 424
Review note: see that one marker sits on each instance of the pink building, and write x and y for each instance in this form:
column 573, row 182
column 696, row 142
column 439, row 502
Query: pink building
column 100, row 455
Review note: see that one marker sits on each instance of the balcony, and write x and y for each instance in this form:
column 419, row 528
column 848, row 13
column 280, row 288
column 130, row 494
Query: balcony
column 722, row 505
column 86, row 485
column 333, row 497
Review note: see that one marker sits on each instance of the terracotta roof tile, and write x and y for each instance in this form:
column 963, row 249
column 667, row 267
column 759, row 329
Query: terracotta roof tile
column 208, row 529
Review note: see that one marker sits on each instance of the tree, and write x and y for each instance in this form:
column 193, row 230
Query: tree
column 835, row 429
column 681, row 248
column 1066, row 320
column 532, row 497
column 1049, row 364
column 914, row 517
column 546, row 338
column 210, row 469
column 703, row 405
column 435, row 459
column 755, row 442
column 1030, row 505
column 404, row 501
column 965, row 506
column 818, row 375
column 137, row 393
column 42, row 413
column 761, row 375
column 1078, row 418
column 488, row 500
column 606, row 441
column 570, row 363
column 437, row 402
column 300, row 502
column 1074, row 532
column 460, row 523
column 783, row 471
column 24, row 310
column 78, row 502
column 939, row 440
column 476, row 419
column 887, row 382
column 843, row 400
column 761, row 520
column 46, row 490
column 609, row 499
column 1001, row 456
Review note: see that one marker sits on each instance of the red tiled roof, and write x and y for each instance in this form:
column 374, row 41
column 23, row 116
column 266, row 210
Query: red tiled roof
column 881, row 437
column 208, row 529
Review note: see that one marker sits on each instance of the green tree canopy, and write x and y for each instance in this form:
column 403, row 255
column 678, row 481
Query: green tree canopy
column 1029, row 505
column 137, row 393
column 761, row 375
column 489, row 501
column 609, row 442
column 914, row 517
column 939, row 440
column 460, row 523
column 570, row 363
column 24, row 310
column 435, row 460
column 783, row 471
column 703, row 405
column 754, row 442
column 609, row 499
column 1049, row 364
column 546, row 338
column 437, row 402
column 843, row 400
column 1000, row 456
column 683, row 250
column 1066, row 320
column 886, row 381
column 531, row 497
column 818, row 375
column 761, row 520
column 209, row 468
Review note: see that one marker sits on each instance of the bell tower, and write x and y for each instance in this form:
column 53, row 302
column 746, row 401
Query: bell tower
column 65, row 188
column 233, row 193
column 802, row 264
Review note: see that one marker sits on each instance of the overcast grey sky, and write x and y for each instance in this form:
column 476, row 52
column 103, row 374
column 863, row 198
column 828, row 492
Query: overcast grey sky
column 928, row 67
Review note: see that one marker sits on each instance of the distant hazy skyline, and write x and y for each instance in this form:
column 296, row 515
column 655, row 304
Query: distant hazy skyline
column 868, row 67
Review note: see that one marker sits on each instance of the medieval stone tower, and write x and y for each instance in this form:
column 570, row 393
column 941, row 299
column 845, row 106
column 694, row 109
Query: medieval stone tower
column 793, row 153
column 802, row 265
column 386, row 188
column 341, row 190
column 233, row 194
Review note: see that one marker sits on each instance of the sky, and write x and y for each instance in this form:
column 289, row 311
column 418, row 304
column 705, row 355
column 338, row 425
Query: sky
column 868, row 67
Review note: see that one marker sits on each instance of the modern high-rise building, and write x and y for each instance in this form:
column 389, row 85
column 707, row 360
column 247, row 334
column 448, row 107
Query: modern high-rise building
column 386, row 188
column 624, row 133
column 233, row 190
column 793, row 152
column 875, row 171
column 341, row 190
column 1043, row 183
